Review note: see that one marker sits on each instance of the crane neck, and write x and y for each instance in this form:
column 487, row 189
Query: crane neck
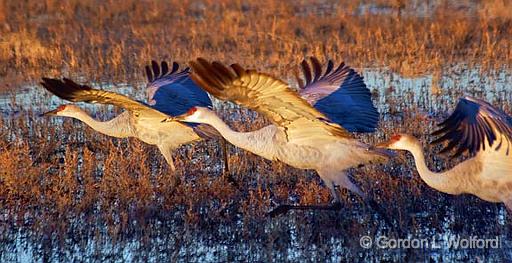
column 116, row 127
column 257, row 142
column 446, row 182
column 230, row 135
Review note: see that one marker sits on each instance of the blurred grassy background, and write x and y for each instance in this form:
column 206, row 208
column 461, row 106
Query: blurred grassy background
column 114, row 39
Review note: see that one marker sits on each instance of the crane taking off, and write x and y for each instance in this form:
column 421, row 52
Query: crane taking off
column 169, row 92
column 308, row 127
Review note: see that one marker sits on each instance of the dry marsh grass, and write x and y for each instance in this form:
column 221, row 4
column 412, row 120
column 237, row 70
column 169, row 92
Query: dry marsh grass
column 61, row 170
column 108, row 40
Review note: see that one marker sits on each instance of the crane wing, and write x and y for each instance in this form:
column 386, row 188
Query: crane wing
column 472, row 123
column 340, row 94
column 71, row 91
column 172, row 91
column 267, row 95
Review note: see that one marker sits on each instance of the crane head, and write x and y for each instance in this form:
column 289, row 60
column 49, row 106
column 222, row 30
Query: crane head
column 397, row 142
column 61, row 110
column 195, row 114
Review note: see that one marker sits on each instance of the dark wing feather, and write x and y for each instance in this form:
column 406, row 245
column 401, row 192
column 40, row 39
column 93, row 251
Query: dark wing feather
column 173, row 92
column 472, row 123
column 69, row 90
column 341, row 95
column 206, row 131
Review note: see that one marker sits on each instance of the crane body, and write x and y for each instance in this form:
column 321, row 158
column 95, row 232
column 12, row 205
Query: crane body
column 301, row 135
column 169, row 92
column 482, row 131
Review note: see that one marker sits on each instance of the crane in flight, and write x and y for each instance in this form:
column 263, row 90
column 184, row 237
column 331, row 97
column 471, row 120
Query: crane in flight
column 311, row 128
column 170, row 91
column 485, row 133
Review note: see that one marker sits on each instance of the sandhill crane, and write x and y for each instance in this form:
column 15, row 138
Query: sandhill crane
column 302, row 135
column 485, row 133
column 169, row 92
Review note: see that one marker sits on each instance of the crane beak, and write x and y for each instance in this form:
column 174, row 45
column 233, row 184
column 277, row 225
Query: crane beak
column 175, row 118
column 180, row 118
column 169, row 119
column 49, row 113
column 383, row 144
column 382, row 151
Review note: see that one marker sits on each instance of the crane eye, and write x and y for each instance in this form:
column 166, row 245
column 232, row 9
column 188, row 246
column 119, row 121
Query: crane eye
column 191, row 111
column 61, row 108
column 396, row 137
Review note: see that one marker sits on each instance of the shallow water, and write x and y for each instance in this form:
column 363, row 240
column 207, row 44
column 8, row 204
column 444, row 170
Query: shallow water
column 297, row 236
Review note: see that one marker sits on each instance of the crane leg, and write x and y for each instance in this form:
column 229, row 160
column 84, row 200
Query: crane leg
column 344, row 181
column 331, row 179
column 167, row 153
column 283, row 209
column 335, row 206
column 170, row 162
column 226, row 174
column 508, row 204
column 225, row 157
